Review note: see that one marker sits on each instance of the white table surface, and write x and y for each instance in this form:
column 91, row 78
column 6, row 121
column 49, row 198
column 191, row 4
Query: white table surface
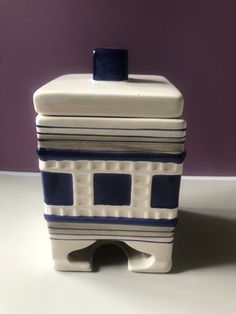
column 203, row 279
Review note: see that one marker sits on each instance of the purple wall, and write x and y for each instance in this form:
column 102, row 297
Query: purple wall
column 193, row 43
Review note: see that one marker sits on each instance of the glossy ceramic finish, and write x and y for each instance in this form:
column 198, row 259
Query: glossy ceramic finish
column 113, row 134
column 110, row 64
column 111, row 167
column 85, row 188
column 80, row 95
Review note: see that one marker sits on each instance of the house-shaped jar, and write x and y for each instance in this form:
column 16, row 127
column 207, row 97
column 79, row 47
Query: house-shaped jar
column 111, row 151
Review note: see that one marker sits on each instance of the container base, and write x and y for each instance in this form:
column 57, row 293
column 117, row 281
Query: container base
column 77, row 255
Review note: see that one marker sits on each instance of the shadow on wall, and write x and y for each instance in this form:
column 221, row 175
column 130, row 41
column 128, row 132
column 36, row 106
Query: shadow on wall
column 200, row 241
column 203, row 241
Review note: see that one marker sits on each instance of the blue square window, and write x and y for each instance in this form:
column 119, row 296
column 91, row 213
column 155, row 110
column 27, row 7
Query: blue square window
column 165, row 191
column 57, row 188
column 112, row 189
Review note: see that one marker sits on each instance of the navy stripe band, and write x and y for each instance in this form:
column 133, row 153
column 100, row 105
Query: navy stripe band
column 105, row 135
column 109, row 235
column 128, row 240
column 106, row 141
column 62, row 154
column 119, row 230
column 93, row 128
column 113, row 220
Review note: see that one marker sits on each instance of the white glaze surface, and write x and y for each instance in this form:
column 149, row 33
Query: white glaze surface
column 111, row 126
column 142, row 255
column 140, row 96
column 108, row 122
column 113, row 134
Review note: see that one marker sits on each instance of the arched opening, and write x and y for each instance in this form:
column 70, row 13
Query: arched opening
column 109, row 253
column 106, row 253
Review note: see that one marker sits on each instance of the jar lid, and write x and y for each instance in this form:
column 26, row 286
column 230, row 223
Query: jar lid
column 146, row 96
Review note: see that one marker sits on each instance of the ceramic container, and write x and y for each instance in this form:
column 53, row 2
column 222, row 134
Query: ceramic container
column 111, row 151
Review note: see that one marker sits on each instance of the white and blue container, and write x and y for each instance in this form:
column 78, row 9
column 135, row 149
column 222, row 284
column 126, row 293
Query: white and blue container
column 111, row 151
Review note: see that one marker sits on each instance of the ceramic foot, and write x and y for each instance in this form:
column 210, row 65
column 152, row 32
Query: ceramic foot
column 142, row 257
column 155, row 258
column 72, row 255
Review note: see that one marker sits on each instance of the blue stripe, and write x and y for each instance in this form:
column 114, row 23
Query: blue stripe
column 113, row 220
column 63, row 154
column 128, row 240
column 119, row 230
column 110, row 235
column 93, row 128
column 105, row 135
column 108, row 141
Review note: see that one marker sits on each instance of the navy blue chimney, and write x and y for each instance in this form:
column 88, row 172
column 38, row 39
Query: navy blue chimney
column 110, row 64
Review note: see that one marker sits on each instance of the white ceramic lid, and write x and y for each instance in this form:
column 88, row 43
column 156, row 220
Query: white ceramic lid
column 146, row 96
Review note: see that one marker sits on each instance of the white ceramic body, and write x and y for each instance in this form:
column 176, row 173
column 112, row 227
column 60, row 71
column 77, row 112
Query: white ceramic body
column 131, row 133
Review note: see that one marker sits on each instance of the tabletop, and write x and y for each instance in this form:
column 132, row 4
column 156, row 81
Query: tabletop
column 203, row 278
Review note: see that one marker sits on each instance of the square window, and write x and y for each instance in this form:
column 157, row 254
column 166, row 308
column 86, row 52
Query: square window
column 112, row 189
column 57, row 188
column 165, row 191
